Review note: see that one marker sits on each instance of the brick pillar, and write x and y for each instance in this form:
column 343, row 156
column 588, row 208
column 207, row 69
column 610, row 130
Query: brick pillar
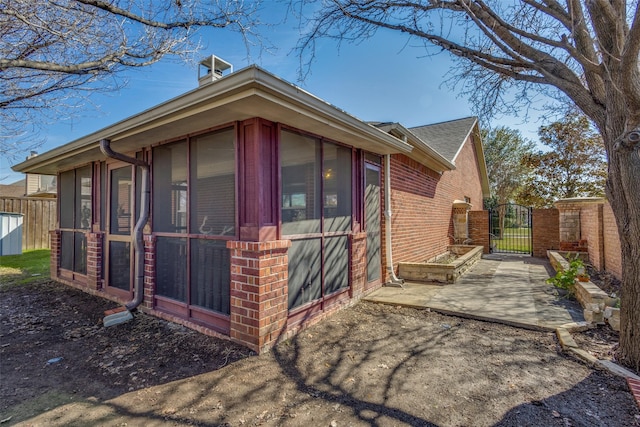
column 460, row 221
column 259, row 292
column 479, row 229
column 54, row 263
column 149, row 271
column 358, row 264
column 570, row 226
column 94, row 260
column 545, row 231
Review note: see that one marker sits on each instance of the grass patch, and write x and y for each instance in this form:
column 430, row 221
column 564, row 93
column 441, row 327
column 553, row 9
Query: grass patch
column 30, row 267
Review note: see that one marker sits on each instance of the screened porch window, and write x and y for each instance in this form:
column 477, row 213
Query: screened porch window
column 316, row 179
column 75, row 218
column 194, row 213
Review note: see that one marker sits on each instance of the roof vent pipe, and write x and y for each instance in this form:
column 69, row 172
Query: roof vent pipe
column 138, row 244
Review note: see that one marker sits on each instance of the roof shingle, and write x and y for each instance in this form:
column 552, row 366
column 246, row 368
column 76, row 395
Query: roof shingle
column 446, row 137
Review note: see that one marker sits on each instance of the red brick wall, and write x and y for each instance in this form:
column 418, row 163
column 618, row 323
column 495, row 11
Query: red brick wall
column 422, row 203
column 94, row 260
column 358, row 264
column 54, row 262
column 546, row 231
column 591, row 231
column 612, row 250
column 479, row 229
column 259, row 277
column 149, row 271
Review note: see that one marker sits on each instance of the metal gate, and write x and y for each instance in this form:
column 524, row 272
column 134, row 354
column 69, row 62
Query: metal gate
column 510, row 229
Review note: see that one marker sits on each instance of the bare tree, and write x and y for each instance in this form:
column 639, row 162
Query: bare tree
column 52, row 52
column 581, row 51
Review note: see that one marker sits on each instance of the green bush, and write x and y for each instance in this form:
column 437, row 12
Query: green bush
column 565, row 279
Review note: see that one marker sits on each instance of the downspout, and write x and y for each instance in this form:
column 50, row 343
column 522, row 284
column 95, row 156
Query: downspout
column 395, row 281
column 138, row 244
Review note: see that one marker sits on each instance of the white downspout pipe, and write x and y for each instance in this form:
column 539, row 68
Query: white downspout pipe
column 395, row 281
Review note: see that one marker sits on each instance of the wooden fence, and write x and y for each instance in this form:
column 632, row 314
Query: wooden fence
column 39, row 216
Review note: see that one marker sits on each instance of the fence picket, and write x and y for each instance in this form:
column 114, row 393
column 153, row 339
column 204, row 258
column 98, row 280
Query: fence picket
column 39, row 217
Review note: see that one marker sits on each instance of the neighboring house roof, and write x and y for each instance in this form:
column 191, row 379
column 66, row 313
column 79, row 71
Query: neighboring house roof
column 15, row 189
column 446, row 138
column 251, row 92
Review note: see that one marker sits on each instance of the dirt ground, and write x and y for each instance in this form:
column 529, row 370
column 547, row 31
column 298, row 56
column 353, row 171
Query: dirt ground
column 368, row 365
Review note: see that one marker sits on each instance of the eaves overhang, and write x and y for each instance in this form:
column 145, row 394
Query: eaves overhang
column 422, row 152
column 251, row 92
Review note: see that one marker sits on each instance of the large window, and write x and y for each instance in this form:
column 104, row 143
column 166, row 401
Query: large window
column 194, row 213
column 316, row 215
column 75, row 218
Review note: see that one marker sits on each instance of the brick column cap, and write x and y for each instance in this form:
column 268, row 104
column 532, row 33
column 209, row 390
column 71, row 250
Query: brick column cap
column 576, row 202
column 258, row 246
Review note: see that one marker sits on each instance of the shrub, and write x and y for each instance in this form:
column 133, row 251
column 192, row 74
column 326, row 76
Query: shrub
column 565, row 279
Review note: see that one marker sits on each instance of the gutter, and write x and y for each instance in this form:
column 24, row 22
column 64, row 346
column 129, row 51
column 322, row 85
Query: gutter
column 395, row 281
column 138, row 244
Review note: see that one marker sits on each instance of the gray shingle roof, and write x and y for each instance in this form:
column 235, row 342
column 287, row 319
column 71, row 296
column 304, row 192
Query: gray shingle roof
column 446, row 137
column 15, row 189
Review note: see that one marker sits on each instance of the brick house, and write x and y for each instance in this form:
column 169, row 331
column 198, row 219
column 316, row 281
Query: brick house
column 249, row 208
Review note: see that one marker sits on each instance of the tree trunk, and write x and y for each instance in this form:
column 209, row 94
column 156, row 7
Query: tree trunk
column 623, row 190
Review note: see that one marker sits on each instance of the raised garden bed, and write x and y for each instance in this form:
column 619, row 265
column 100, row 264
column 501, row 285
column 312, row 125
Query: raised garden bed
column 597, row 305
column 465, row 256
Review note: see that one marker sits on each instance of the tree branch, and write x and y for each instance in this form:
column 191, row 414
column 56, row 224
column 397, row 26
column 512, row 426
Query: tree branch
column 630, row 67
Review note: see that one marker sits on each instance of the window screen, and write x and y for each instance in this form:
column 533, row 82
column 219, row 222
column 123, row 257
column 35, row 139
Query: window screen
column 170, row 188
column 83, row 198
column 66, row 250
column 213, row 184
column 372, row 221
column 337, row 187
column 210, row 274
column 336, row 264
column 305, row 264
column 67, row 198
column 120, row 265
column 75, row 214
column 120, row 211
column 171, row 268
column 103, row 195
column 80, row 253
column 301, row 196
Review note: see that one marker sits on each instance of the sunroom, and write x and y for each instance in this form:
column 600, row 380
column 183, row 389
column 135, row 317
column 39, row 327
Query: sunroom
column 260, row 211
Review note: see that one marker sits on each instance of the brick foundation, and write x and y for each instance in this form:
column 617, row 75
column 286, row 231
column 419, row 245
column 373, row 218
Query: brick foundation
column 259, row 278
column 54, row 263
column 94, row 260
column 149, row 271
column 358, row 264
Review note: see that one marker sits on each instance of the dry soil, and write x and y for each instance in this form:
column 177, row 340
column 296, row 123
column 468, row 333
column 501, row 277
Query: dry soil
column 370, row 365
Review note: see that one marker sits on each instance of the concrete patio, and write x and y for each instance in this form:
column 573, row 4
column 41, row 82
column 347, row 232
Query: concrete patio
column 504, row 288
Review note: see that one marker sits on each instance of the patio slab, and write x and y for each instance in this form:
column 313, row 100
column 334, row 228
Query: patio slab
column 504, row 288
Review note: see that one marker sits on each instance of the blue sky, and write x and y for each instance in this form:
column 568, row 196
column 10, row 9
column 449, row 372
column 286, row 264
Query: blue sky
column 380, row 79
